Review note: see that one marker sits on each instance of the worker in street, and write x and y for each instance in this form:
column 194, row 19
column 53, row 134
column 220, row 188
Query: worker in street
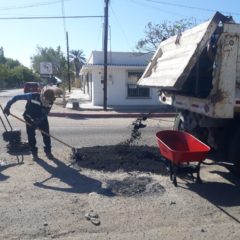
column 36, row 113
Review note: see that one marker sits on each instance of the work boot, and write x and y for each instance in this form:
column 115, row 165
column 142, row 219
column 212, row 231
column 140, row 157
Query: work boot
column 49, row 155
column 35, row 156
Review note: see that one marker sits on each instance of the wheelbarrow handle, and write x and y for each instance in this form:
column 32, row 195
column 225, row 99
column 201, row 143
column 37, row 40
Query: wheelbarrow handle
column 43, row 132
column 6, row 119
column 3, row 124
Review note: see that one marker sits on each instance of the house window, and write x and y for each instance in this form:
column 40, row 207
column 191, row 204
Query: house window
column 133, row 90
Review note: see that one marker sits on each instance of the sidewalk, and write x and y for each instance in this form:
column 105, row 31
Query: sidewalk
column 78, row 105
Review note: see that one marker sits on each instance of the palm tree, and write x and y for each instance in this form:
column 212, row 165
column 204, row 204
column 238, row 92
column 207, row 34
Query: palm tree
column 78, row 59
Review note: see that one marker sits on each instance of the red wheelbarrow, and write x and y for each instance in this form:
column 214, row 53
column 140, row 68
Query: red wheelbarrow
column 181, row 148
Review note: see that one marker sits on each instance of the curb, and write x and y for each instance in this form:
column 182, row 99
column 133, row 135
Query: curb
column 110, row 115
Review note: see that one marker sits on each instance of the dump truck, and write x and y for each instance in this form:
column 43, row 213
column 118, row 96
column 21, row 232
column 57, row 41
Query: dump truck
column 198, row 73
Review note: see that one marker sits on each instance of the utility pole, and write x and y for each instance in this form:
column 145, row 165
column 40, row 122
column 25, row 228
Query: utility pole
column 68, row 65
column 105, row 48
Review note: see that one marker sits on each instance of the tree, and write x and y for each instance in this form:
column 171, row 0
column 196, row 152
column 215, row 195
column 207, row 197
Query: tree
column 23, row 74
column 12, row 63
column 4, row 74
column 14, row 77
column 13, row 73
column 55, row 56
column 58, row 60
column 78, row 59
column 2, row 57
column 156, row 33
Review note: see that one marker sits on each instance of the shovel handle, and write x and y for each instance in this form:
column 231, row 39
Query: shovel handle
column 43, row 132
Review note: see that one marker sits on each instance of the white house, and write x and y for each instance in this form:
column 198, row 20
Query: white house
column 124, row 69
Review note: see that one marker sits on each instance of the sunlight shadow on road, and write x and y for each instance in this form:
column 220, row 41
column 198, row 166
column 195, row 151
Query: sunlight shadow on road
column 221, row 195
column 218, row 193
column 2, row 168
column 77, row 182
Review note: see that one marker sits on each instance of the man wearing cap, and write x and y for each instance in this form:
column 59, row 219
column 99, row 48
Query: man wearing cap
column 36, row 116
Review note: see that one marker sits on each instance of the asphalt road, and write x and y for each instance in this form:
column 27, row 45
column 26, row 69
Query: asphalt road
column 86, row 132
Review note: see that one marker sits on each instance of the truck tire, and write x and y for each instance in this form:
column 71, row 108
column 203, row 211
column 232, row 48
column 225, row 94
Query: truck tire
column 198, row 132
column 178, row 123
column 233, row 153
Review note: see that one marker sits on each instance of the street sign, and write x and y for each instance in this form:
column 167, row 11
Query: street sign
column 46, row 68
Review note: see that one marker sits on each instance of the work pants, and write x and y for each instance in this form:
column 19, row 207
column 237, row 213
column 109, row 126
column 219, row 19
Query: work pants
column 31, row 133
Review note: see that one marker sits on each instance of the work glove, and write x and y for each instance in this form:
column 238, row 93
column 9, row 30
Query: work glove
column 6, row 111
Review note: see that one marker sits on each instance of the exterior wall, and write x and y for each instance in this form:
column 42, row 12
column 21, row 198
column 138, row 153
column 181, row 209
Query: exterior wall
column 117, row 89
column 97, row 87
column 119, row 65
column 120, row 58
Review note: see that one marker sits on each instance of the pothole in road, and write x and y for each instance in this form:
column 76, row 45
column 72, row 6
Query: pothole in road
column 125, row 158
column 136, row 186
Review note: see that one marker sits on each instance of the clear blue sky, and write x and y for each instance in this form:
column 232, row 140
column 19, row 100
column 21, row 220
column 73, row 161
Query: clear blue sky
column 127, row 19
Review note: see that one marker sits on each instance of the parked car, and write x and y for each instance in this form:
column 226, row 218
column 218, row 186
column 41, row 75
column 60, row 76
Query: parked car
column 53, row 80
column 31, row 87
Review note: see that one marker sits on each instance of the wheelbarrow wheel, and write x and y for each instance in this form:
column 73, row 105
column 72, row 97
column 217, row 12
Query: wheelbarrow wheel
column 179, row 123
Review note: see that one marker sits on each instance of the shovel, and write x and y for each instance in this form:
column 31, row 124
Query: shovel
column 75, row 152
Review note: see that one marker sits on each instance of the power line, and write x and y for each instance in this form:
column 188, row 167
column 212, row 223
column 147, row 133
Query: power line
column 31, row 5
column 99, row 37
column 120, row 26
column 157, row 8
column 189, row 7
column 49, row 17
